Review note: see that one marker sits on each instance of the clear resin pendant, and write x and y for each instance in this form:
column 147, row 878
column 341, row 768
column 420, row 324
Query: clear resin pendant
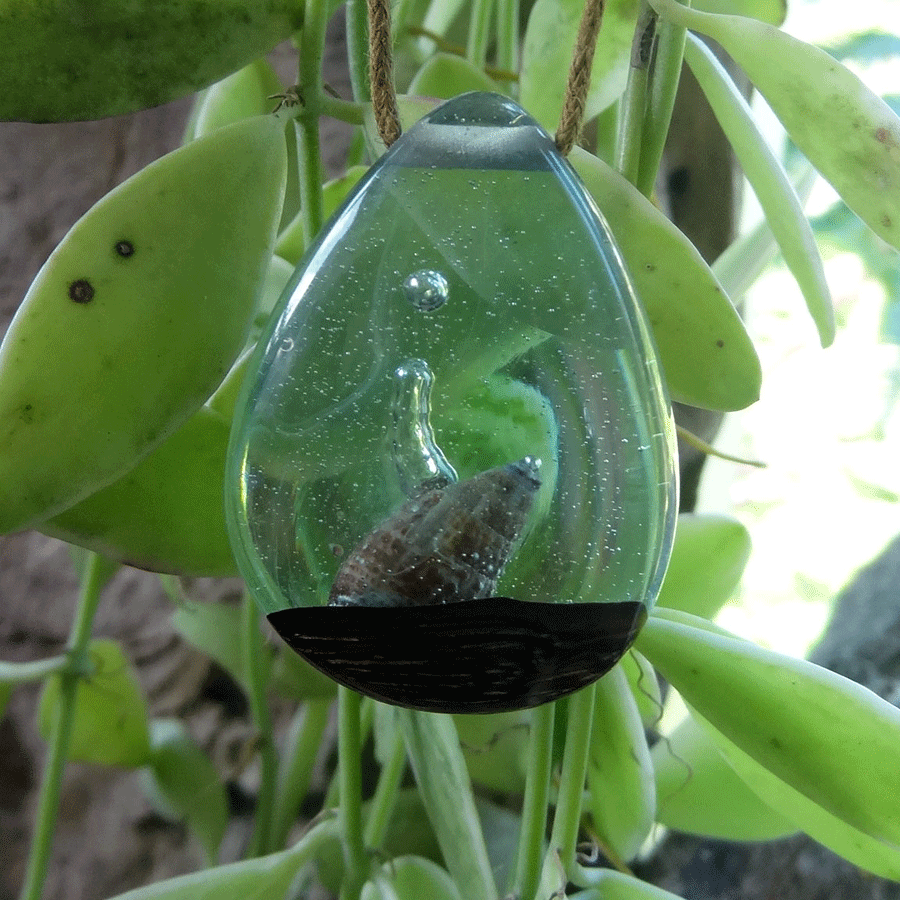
column 452, row 484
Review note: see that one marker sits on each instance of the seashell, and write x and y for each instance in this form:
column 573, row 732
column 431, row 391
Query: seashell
column 443, row 546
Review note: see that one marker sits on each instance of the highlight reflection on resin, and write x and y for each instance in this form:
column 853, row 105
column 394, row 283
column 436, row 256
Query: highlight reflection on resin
column 453, row 477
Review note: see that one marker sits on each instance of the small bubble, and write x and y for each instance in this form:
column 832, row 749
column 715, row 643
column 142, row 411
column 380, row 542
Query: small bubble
column 426, row 289
column 287, row 344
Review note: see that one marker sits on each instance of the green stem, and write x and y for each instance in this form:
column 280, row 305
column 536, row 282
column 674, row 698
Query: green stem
column 508, row 35
column 634, row 101
column 21, row 672
column 304, row 740
column 560, row 859
column 432, row 744
column 311, row 49
column 343, row 110
column 537, row 797
column 479, row 31
column 350, row 777
column 256, row 680
column 92, row 582
column 358, row 49
column 664, row 80
column 567, row 818
column 386, row 794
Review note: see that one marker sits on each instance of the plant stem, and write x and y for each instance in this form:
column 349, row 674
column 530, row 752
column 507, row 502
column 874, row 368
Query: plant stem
column 311, row 50
column 537, row 795
column 92, row 582
column 567, row 818
column 386, row 794
column 664, row 78
column 634, row 101
column 358, row 50
column 479, row 31
column 432, row 744
column 256, row 675
column 299, row 756
column 560, row 859
column 350, row 776
column 21, row 672
column 507, row 35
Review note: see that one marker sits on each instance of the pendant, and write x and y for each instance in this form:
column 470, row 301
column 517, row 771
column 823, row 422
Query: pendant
column 452, row 480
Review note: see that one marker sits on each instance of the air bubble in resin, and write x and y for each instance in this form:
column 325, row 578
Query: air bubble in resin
column 379, row 416
column 426, row 290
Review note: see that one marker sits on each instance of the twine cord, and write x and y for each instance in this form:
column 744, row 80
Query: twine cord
column 579, row 76
column 381, row 72
column 384, row 97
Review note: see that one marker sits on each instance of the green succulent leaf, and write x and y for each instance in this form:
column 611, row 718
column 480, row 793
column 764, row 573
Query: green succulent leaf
column 447, row 75
column 547, row 53
column 216, row 630
column 136, row 318
column 183, row 784
column 833, row 741
column 64, row 61
column 608, row 884
column 861, row 849
column 262, row 878
column 496, row 749
column 242, row 95
column 622, row 801
column 707, row 356
column 771, row 11
column 644, row 687
column 708, row 559
column 774, row 191
column 848, row 133
column 166, row 514
column 700, row 793
column 411, row 878
column 110, row 723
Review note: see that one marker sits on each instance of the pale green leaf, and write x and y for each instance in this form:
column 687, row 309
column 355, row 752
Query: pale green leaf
column 110, row 724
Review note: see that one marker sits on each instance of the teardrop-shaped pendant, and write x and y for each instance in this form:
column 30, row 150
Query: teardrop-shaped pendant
column 452, row 484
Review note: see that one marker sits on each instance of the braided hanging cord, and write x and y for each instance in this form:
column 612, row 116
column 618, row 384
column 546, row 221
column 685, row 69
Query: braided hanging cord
column 384, row 97
column 381, row 72
column 579, row 76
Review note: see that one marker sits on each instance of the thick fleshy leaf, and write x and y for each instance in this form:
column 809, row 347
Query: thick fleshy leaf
column 110, row 724
column 445, row 75
column 622, row 795
column 263, row 878
column 708, row 559
column 832, row 740
column 644, row 686
column 547, row 54
column 861, row 849
column 183, row 784
column 707, row 356
column 848, row 133
column 770, row 183
column 496, row 749
column 411, row 878
column 242, row 95
column 608, row 884
column 771, row 11
column 700, row 793
column 136, row 318
column 166, row 514
column 216, row 630
column 63, row 61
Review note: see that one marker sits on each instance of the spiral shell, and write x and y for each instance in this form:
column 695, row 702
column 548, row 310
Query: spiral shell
column 445, row 545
